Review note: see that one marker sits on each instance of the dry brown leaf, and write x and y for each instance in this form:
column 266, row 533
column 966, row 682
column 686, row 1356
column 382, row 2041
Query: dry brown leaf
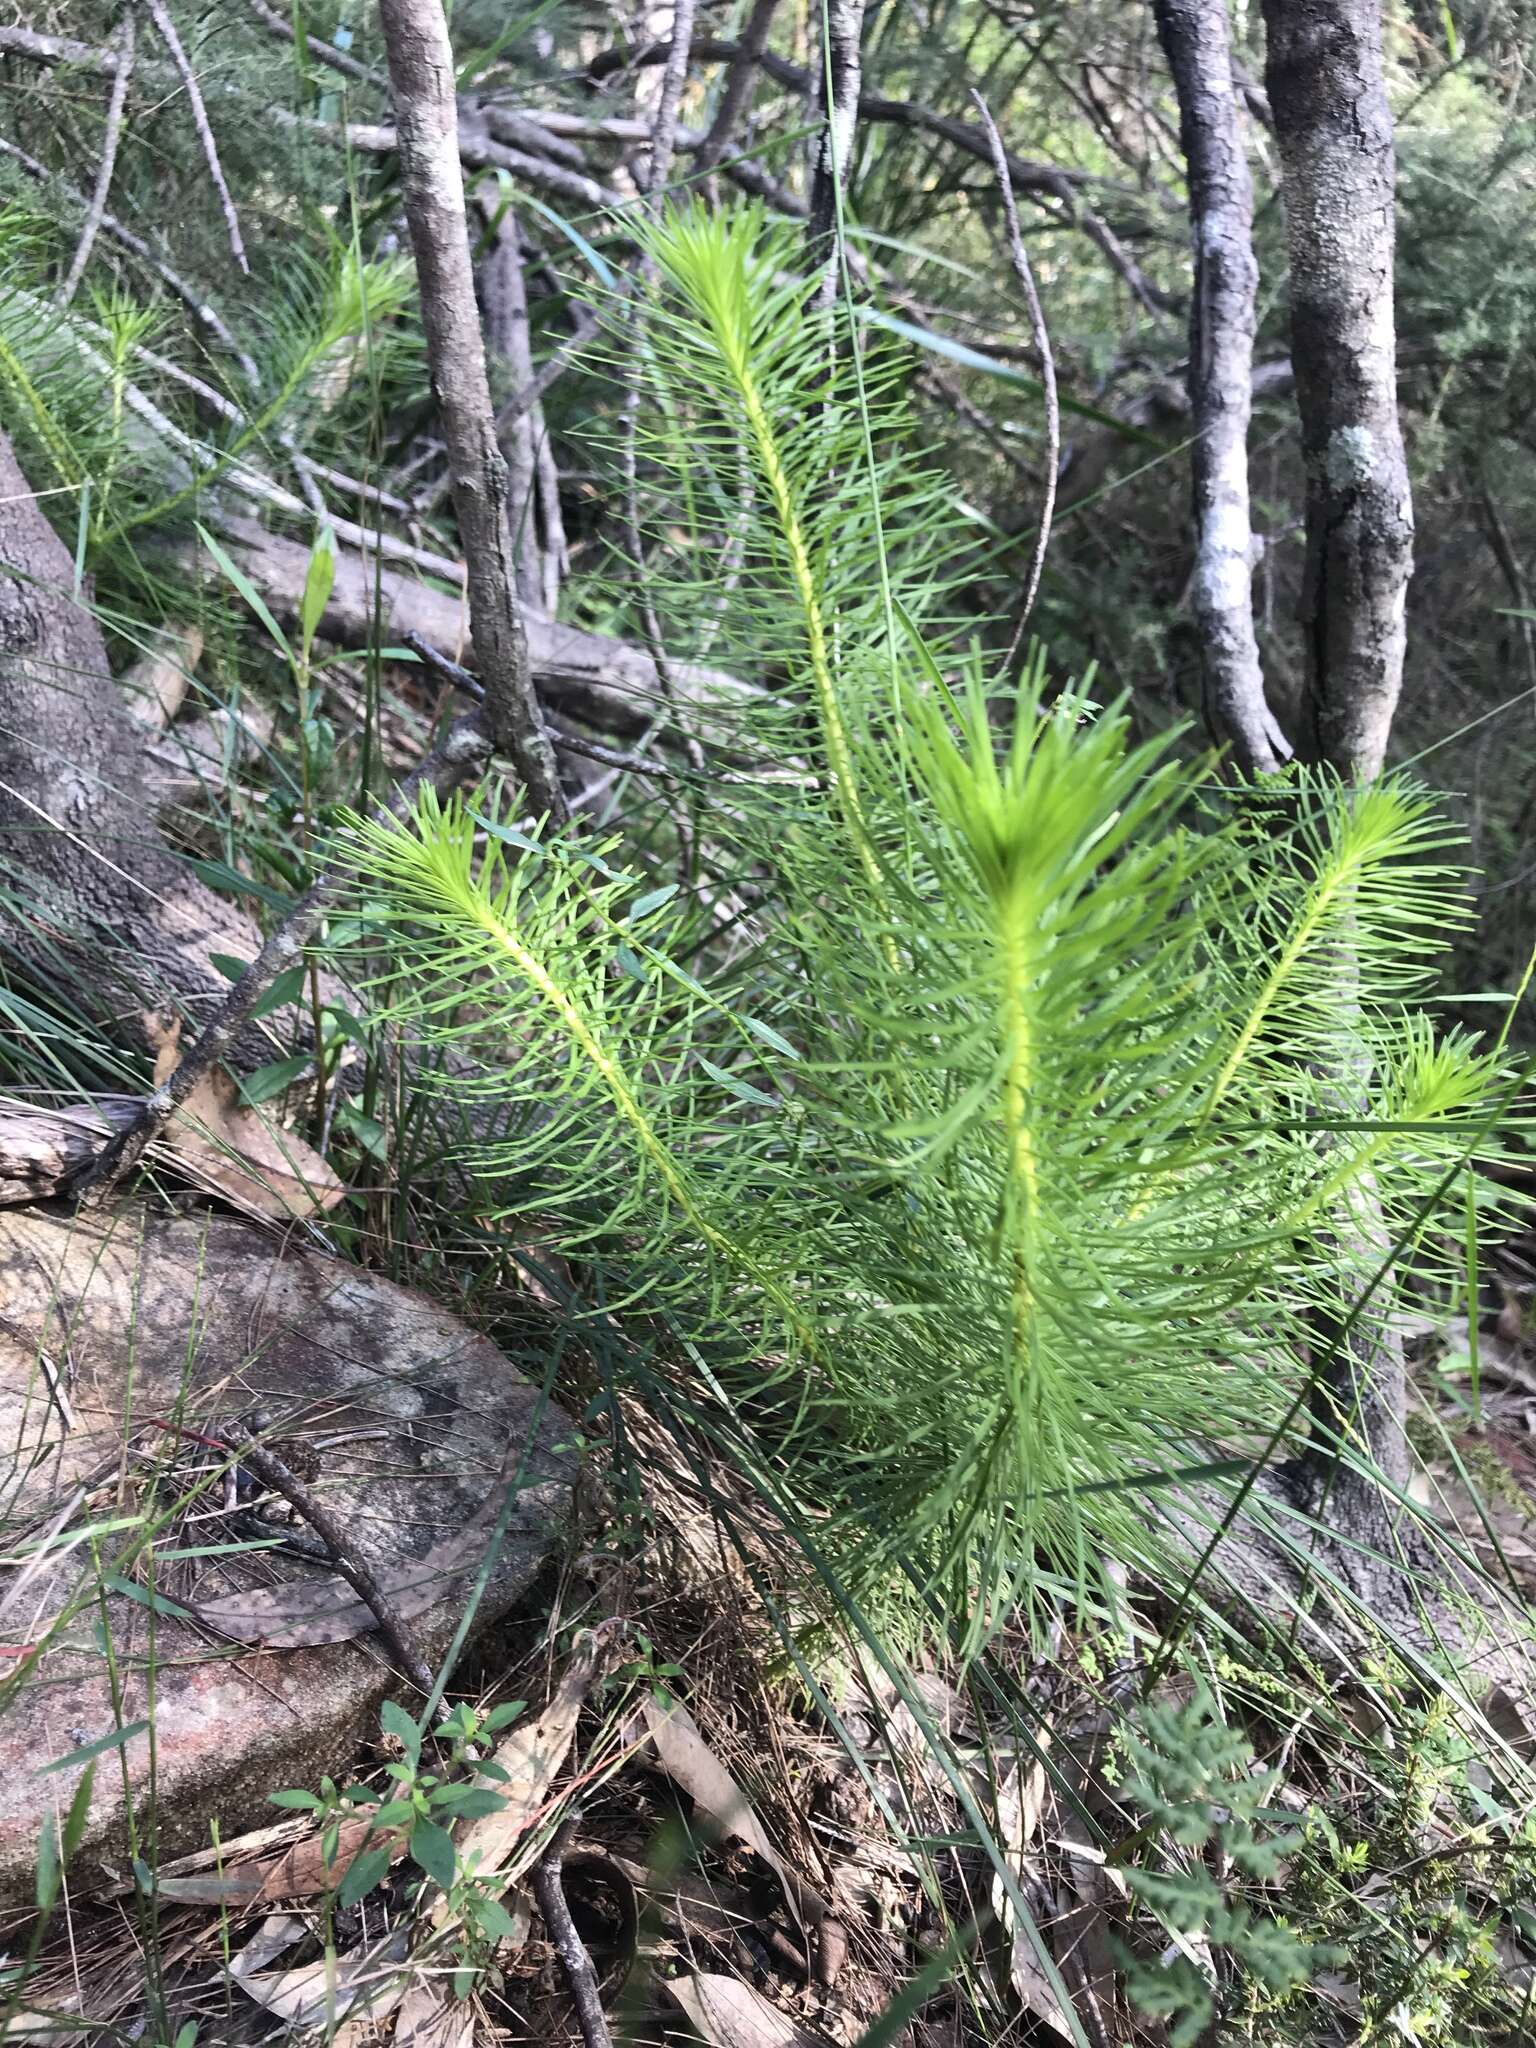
column 728, row 2014
column 367, row 1979
column 689, row 1761
column 1020, row 1801
column 225, row 1142
column 531, row 1756
column 299, row 1872
column 429, row 2018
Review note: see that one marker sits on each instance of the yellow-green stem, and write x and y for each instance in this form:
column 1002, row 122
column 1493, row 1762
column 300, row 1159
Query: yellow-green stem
column 631, row 1110
column 834, row 732
column 1018, row 1085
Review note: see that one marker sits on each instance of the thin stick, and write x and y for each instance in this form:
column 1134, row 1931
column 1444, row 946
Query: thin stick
column 137, row 246
column 315, row 46
column 1026, row 278
column 273, row 1473
column 569, row 1946
column 653, row 177
column 421, row 70
column 462, row 754
column 165, row 28
column 739, row 78
column 122, row 78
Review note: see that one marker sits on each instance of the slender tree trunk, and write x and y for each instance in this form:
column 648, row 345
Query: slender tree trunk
column 839, row 73
column 421, row 72
column 1334, row 130
column 532, row 486
column 1223, row 316
column 1333, row 127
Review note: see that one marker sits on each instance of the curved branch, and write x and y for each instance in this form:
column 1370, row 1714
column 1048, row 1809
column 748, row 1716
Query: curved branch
column 122, row 78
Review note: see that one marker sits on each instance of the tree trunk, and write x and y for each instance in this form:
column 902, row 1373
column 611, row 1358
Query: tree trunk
column 1223, row 315
column 838, row 75
column 1333, row 127
column 1334, row 130
column 88, row 880
column 421, row 72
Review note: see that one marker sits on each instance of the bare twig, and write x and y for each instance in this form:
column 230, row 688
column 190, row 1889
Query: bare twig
column 658, row 164
column 532, row 488
column 1026, row 277
column 478, row 151
column 585, row 325
column 569, row 742
column 273, row 1473
column 280, row 26
column 122, row 78
column 568, row 1944
column 738, row 83
column 463, row 753
column 653, row 177
column 165, row 28
column 421, row 69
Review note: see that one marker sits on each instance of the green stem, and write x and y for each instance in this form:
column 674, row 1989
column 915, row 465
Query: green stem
column 650, row 1144
column 834, row 732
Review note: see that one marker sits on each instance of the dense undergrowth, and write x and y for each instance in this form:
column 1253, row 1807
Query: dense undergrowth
column 928, row 1114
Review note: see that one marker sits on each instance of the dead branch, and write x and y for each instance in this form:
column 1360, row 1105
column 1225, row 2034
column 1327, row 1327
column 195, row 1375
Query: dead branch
column 122, row 78
column 568, row 1944
column 738, row 84
column 478, row 151
column 274, row 1474
column 280, row 26
column 532, row 489
column 165, row 28
column 1223, row 316
column 603, row 682
column 421, row 69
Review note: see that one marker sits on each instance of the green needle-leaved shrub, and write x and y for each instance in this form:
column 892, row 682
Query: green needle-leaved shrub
column 970, row 1122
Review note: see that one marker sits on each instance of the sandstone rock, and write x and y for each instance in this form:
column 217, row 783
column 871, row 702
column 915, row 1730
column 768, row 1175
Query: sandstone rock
column 122, row 1343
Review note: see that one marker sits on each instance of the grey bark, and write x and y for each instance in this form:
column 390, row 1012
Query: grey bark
column 1333, row 127
column 85, row 874
column 839, row 73
column 532, row 486
column 421, row 71
column 1223, row 316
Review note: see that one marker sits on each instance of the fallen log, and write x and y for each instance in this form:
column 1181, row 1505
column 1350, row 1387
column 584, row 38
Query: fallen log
column 590, row 677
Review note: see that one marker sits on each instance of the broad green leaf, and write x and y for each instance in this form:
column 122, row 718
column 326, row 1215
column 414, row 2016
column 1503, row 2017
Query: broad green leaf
column 395, row 1721
column 363, row 1873
column 432, row 1849
column 273, row 1080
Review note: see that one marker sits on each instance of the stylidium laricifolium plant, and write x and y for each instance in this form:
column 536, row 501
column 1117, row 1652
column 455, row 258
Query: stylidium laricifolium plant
column 971, row 1123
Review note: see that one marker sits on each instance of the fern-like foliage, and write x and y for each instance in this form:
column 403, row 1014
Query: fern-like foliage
column 995, row 1180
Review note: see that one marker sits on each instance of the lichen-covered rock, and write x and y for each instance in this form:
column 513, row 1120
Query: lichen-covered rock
column 146, row 1581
